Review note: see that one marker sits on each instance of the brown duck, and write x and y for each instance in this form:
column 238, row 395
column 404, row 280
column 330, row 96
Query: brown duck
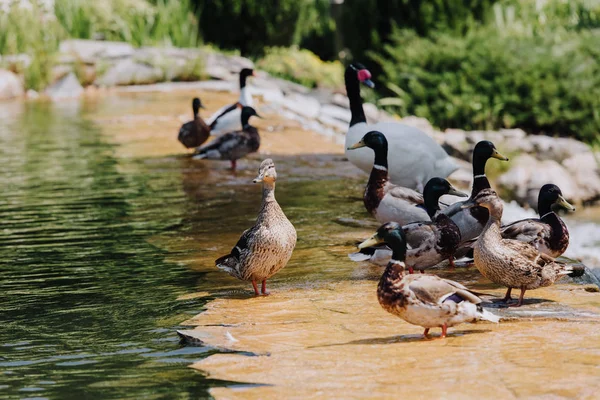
column 195, row 132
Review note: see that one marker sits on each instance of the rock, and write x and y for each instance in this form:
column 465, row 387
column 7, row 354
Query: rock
column 233, row 64
column 558, row 149
column 584, row 170
column 65, row 88
column 11, row 61
column 32, row 94
column 463, row 176
column 336, row 112
column 10, row 85
column 305, row 106
column 419, row 123
column 60, row 71
column 371, row 112
column 456, row 144
column 219, row 72
column 129, row 72
column 90, row 51
column 340, row 100
column 269, row 95
column 334, row 123
column 528, row 175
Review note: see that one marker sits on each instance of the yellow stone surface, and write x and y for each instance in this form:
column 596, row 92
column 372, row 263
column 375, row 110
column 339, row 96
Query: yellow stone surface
column 335, row 341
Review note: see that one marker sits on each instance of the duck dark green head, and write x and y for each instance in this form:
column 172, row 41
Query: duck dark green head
column 483, row 151
column 374, row 140
column 392, row 234
column 196, row 105
column 552, row 195
column 248, row 112
column 245, row 73
column 436, row 188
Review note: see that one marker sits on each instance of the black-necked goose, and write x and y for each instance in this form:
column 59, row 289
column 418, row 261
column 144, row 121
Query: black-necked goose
column 195, row 132
column 233, row 145
column 227, row 118
column 417, row 157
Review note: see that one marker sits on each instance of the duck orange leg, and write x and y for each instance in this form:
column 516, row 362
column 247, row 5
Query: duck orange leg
column 507, row 297
column 444, row 331
column 520, row 302
column 264, row 288
column 256, row 292
column 452, row 265
column 426, row 333
column 233, row 164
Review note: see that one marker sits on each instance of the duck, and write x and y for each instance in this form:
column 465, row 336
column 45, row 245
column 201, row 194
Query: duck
column 548, row 234
column 512, row 263
column 233, row 145
column 196, row 131
column 383, row 200
column 227, row 118
column 423, row 299
column 419, row 157
column 429, row 242
column 265, row 248
column 471, row 221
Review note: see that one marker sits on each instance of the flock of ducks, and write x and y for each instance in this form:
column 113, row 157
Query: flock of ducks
column 403, row 193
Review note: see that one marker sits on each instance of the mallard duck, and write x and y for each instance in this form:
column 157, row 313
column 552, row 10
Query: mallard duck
column 509, row 262
column 265, row 248
column 548, row 234
column 384, row 200
column 430, row 242
column 425, row 300
column 227, row 118
column 471, row 221
column 233, row 145
column 196, row 131
column 417, row 157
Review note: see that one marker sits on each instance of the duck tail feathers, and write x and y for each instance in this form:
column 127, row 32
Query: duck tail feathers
column 576, row 271
column 358, row 256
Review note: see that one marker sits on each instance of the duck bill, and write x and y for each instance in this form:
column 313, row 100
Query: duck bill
column 372, row 241
column 369, row 83
column 562, row 202
column 357, row 145
column 455, row 192
column 468, row 204
column 259, row 178
column 499, row 156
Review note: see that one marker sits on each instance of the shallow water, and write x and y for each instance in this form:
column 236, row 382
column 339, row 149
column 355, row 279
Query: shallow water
column 105, row 225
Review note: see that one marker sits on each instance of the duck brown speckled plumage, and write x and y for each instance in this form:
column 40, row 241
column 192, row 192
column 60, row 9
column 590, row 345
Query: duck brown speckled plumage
column 195, row 132
column 425, row 300
column 265, row 248
column 509, row 262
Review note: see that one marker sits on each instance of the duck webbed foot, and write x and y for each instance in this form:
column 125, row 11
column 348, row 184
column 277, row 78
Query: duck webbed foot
column 256, row 292
column 265, row 292
column 520, row 302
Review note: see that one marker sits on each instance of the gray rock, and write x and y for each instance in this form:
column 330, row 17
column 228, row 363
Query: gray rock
column 371, row 112
column 419, row 123
column 269, row 95
column 65, row 88
column 558, row 149
column 584, row 170
column 12, row 60
column 305, row 106
column 32, row 94
column 90, row 51
column 340, row 100
column 129, row 72
column 232, row 63
column 336, row 112
column 10, row 85
column 219, row 72
column 334, row 123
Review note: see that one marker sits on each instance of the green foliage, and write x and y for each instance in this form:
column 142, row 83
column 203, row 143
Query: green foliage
column 494, row 78
column 302, row 66
column 252, row 25
column 27, row 31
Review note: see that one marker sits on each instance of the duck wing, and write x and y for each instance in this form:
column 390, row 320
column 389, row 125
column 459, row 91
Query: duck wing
column 418, row 233
column 526, row 230
column 435, row 290
column 405, row 194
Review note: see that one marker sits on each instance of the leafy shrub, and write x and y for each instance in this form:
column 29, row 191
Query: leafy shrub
column 491, row 79
column 302, row 66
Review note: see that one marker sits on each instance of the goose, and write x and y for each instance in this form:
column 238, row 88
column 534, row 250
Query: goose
column 265, row 248
column 509, row 262
column 425, row 300
column 417, row 157
column 227, row 118
column 195, row 132
column 233, row 145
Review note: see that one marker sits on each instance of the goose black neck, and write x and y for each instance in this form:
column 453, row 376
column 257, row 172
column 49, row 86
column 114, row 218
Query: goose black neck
column 245, row 119
column 353, row 92
column 480, row 181
column 243, row 81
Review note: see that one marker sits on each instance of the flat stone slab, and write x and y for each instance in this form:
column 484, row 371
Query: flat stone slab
column 335, row 341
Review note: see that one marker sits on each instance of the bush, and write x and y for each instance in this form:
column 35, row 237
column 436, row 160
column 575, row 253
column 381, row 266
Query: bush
column 489, row 79
column 303, row 67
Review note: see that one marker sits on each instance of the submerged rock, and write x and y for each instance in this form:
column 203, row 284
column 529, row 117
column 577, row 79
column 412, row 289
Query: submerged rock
column 66, row 87
column 10, row 85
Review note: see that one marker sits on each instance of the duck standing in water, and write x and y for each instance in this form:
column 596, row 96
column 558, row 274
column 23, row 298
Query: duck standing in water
column 430, row 242
column 196, row 131
column 233, row 145
column 227, row 118
column 417, row 157
column 422, row 299
column 384, row 200
column 265, row 248
column 548, row 234
column 509, row 262
column 471, row 221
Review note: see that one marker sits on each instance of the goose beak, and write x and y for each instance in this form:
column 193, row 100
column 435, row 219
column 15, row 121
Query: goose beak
column 369, row 83
column 499, row 156
column 357, row 145
column 258, row 116
column 372, row 241
column 562, row 202
column 455, row 192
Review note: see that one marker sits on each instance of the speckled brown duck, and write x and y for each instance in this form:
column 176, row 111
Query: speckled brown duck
column 509, row 262
column 195, row 132
column 548, row 234
column 422, row 299
column 472, row 220
column 384, row 200
column 265, row 248
column 430, row 242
